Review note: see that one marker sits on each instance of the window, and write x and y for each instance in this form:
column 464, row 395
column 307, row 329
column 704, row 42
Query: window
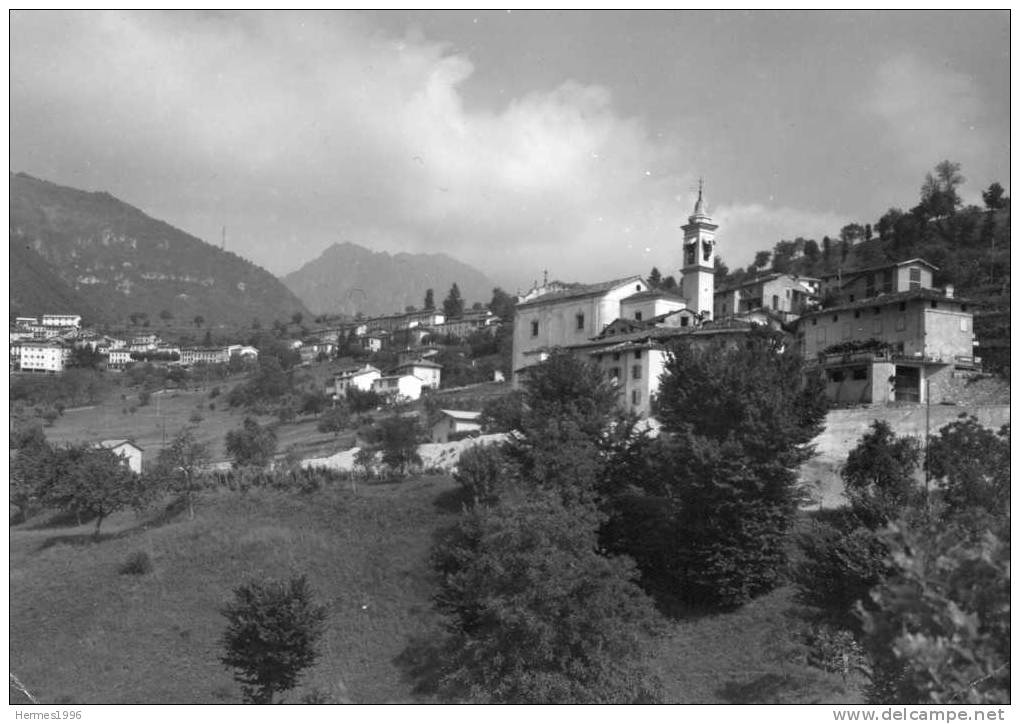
column 859, row 373
column 851, row 297
column 637, row 354
column 638, row 287
column 846, row 330
column 814, row 321
column 614, row 374
column 684, row 321
column 837, row 375
column 534, row 328
column 857, row 314
column 915, row 277
column 635, row 397
column 637, row 316
column 934, row 304
column 616, row 356
column 775, row 301
column 580, row 320
column 635, row 372
column 887, row 280
column 901, row 322
column 903, row 306
column 876, row 310
column 835, row 317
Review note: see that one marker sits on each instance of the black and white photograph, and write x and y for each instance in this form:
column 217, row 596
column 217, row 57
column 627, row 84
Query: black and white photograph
column 509, row 357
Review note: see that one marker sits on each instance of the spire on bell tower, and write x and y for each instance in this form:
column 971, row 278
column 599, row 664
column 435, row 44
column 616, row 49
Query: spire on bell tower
column 699, row 205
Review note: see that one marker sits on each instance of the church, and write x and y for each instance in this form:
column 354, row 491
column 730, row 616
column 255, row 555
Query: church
column 623, row 324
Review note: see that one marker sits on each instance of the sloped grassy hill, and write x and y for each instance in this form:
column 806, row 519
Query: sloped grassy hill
column 80, row 632
column 121, row 261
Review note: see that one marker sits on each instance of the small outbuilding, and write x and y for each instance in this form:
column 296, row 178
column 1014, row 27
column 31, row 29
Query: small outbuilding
column 127, row 449
column 452, row 422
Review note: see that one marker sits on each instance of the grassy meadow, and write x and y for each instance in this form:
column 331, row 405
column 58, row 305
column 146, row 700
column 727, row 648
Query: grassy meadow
column 170, row 410
column 82, row 632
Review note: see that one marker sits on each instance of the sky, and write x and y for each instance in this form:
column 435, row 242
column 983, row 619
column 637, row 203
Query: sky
column 517, row 141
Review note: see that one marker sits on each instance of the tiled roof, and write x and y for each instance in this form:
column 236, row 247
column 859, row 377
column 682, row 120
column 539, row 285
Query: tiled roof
column 865, row 270
column 461, row 414
column 885, row 299
column 582, row 290
column 654, row 294
column 763, row 279
column 658, row 334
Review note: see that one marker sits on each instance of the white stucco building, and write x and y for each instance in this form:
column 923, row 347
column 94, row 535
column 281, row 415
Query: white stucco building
column 398, row 388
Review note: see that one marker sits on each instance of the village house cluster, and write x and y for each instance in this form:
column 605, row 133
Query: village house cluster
column 886, row 334
column 46, row 345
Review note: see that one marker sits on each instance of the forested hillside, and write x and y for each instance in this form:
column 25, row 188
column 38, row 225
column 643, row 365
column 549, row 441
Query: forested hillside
column 126, row 265
column 968, row 244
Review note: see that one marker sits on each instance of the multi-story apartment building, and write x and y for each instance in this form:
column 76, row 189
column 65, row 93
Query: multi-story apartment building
column 895, row 347
column 43, row 357
column 61, row 320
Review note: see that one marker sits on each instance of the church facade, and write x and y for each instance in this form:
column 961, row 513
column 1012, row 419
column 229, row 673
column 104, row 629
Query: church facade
column 623, row 324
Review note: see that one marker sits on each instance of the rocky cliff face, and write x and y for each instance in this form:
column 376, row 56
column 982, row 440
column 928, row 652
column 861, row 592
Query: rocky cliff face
column 120, row 261
column 347, row 279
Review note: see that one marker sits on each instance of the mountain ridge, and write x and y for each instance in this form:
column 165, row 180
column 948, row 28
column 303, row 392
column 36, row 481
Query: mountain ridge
column 347, row 278
column 121, row 261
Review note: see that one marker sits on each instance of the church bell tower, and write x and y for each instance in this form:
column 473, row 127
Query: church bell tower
column 698, row 271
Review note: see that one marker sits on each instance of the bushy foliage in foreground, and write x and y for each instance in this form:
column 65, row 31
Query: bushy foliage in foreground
column 536, row 614
column 271, row 636
column 706, row 509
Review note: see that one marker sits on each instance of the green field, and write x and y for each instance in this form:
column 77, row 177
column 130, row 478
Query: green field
column 80, row 632
column 170, row 410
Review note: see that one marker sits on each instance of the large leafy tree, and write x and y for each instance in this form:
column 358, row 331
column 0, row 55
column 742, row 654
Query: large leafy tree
column 398, row 441
column 251, row 444
column 535, row 615
column 271, row 637
column 972, row 464
column 708, row 519
column 880, row 474
column 91, row 482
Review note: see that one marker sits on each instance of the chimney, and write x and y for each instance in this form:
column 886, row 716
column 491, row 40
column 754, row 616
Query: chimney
column 949, row 291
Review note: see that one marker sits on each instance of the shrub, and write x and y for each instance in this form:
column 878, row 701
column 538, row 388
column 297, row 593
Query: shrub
column 137, row 564
column 838, row 569
column 939, row 629
column 334, row 420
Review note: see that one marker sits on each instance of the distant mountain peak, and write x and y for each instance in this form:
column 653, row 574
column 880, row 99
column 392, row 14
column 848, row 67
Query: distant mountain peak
column 348, row 278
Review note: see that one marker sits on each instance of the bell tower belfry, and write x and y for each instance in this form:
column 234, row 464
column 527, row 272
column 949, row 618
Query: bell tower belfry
column 698, row 271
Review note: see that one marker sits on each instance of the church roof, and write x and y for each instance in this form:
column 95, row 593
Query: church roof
column 582, row 290
column 653, row 294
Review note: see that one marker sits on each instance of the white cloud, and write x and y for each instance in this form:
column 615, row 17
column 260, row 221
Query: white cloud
column 317, row 129
column 928, row 113
column 748, row 228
